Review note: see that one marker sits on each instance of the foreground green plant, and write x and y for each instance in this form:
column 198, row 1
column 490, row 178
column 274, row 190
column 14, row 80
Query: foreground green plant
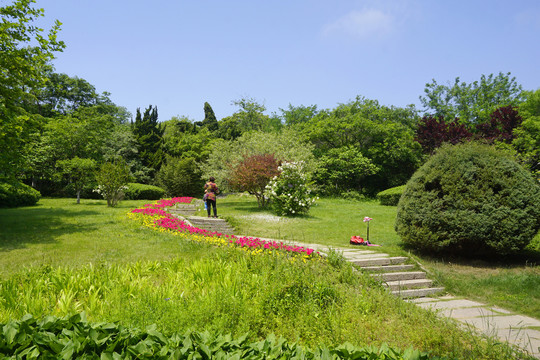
column 73, row 336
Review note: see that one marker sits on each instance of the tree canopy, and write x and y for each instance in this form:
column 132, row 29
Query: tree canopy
column 474, row 102
column 25, row 55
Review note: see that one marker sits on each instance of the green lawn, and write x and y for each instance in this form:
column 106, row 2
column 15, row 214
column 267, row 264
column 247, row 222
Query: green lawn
column 59, row 258
column 60, row 232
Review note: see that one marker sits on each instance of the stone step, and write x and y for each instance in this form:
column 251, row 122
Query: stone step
column 365, row 256
column 185, row 212
column 380, row 261
column 417, row 293
column 388, row 268
column 408, row 284
column 399, row 276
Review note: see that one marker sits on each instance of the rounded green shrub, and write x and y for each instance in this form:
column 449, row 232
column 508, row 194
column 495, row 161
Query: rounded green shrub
column 391, row 196
column 14, row 193
column 469, row 199
column 136, row 191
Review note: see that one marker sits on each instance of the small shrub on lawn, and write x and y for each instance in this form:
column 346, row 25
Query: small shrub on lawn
column 470, row 199
column 391, row 196
column 136, row 191
column 14, row 193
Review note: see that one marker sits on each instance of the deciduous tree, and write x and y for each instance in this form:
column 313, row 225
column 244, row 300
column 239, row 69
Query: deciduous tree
column 253, row 174
column 25, row 53
column 474, row 102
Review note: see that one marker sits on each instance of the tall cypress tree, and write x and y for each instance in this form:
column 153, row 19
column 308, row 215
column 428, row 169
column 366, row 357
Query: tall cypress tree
column 149, row 135
column 210, row 120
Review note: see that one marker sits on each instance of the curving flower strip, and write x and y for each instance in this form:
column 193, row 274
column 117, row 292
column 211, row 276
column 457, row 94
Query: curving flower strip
column 153, row 216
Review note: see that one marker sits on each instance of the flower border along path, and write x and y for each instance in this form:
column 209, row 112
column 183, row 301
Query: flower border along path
column 157, row 218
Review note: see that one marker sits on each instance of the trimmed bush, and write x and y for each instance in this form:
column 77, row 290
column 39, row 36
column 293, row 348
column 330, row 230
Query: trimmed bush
column 469, row 199
column 391, row 196
column 136, row 191
column 14, row 193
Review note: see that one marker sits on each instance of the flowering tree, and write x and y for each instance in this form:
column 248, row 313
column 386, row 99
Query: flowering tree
column 290, row 192
column 112, row 179
column 253, row 174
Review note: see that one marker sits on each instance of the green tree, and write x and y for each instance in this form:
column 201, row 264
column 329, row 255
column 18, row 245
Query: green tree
column 250, row 116
column 527, row 141
column 25, row 54
column 112, row 179
column 149, row 135
column 469, row 199
column 471, row 103
column 295, row 115
column 183, row 139
column 385, row 135
column 210, row 120
column 229, row 128
column 78, row 171
column 82, row 133
column 180, row 177
column 121, row 144
column 343, row 169
column 287, row 145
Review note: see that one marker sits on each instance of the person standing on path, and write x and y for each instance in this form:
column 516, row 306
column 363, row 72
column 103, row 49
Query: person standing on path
column 211, row 190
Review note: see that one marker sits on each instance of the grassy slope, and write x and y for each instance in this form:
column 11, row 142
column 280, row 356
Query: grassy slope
column 95, row 256
column 514, row 284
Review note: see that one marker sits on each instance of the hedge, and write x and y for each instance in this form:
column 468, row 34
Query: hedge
column 14, row 193
column 143, row 192
column 470, row 199
column 391, row 196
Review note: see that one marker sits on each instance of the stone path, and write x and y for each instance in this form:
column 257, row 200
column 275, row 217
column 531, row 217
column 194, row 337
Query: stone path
column 402, row 278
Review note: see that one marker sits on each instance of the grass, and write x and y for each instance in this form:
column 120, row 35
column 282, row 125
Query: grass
column 511, row 283
column 60, row 232
column 59, row 258
column 330, row 222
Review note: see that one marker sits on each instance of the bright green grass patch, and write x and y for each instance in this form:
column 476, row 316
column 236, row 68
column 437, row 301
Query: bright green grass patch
column 60, row 232
column 329, row 222
column 514, row 288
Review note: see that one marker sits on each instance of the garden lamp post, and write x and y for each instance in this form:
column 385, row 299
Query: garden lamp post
column 367, row 219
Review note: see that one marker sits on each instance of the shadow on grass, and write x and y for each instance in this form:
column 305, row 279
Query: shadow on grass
column 38, row 225
column 526, row 257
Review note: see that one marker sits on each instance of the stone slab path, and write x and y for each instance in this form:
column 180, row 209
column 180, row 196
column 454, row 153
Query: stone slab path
column 522, row 331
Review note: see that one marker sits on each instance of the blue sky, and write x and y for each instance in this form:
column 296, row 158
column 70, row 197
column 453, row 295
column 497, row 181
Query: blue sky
column 178, row 54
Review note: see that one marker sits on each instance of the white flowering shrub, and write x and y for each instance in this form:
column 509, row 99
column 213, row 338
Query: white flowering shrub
column 290, row 192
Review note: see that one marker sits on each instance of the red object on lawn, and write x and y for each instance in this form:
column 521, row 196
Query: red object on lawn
column 357, row 240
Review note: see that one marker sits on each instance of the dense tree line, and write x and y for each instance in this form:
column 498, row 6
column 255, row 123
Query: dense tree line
column 56, row 129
